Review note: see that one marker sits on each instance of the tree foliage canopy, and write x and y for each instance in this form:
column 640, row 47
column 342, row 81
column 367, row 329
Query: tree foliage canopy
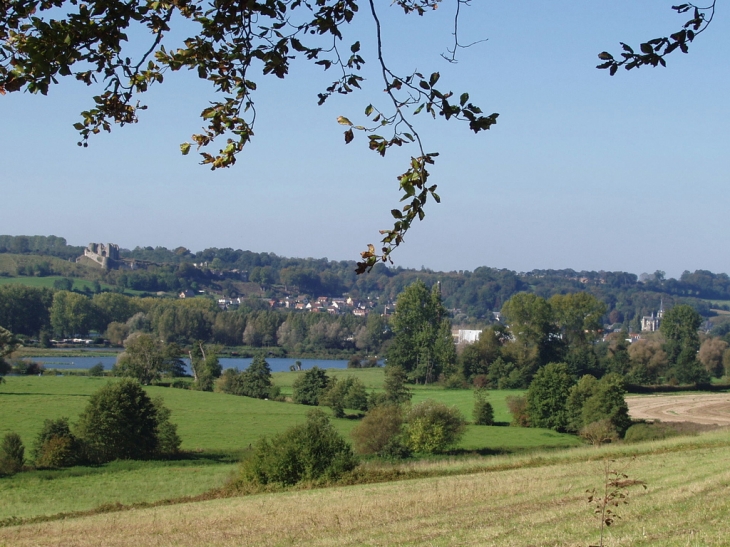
column 422, row 343
column 122, row 422
column 8, row 344
column 547, row 395
column 147, row 359
column 679, row 327
column 130, row 46
column 311, row 386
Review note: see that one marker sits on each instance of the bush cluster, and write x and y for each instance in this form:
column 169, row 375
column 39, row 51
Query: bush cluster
column 254, row 382
column 56, row 446
column 342, row 394
column 649, row 432
column 309, row 452
column 556, row 401
column 380, row 431
column 120, row 421
column 433, row 427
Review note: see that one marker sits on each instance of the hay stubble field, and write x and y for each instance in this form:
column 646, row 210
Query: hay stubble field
column 542, row 503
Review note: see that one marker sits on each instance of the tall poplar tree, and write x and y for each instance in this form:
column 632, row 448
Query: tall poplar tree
column 419, row 325
column 679, row 327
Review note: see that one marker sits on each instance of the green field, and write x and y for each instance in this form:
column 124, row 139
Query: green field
column 80, row 285
column 220, row 423
column 373, row 378
column 215, row 428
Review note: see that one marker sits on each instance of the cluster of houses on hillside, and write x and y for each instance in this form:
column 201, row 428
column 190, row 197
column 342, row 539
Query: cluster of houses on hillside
column 323, row 304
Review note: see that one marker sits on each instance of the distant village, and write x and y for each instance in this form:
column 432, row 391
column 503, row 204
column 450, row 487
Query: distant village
column 107, row 256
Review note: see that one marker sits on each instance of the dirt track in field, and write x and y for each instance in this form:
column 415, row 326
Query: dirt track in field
column 708, row 408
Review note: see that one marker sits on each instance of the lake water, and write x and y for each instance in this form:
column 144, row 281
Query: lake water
column 277, row 364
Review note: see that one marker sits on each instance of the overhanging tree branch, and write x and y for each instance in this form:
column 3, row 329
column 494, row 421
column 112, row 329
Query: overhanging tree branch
column 38, row 44
column 653, row 52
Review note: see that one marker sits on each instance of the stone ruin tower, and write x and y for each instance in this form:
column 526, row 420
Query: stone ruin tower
column 105, row 256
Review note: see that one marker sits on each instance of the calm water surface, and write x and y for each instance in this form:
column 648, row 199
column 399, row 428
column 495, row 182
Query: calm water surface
column 277, row 364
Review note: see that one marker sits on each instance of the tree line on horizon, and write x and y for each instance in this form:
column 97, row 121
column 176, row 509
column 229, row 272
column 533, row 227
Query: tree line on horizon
column 472, row 296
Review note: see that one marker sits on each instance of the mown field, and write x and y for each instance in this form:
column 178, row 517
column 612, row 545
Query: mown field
column 529, row 500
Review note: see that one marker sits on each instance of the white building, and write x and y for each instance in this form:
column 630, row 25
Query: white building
column 651, row 323
column 467, row 336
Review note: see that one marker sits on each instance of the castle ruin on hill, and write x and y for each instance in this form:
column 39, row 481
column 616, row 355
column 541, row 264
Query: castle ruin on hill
column 105, row 256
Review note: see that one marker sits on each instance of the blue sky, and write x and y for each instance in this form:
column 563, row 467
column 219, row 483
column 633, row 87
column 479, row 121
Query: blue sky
column 582, row 171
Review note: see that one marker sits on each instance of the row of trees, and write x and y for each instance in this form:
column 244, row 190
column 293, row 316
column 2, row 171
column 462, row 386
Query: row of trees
column 557, row 400
column 32, row 311
column 568, row 328
column 475, row 294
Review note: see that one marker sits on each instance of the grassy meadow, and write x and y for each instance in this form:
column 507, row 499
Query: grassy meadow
column 81, row 285
column 527, row 500
column 215, row 428
column 223, row 424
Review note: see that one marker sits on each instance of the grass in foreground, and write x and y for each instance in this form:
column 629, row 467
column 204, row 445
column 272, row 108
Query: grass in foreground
column 530, row 500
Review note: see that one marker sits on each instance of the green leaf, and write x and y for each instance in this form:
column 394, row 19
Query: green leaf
column 185, row 148
column 368, row 110
column 343, row 121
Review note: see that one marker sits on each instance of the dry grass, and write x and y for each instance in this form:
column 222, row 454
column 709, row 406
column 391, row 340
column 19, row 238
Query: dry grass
column 687, row 503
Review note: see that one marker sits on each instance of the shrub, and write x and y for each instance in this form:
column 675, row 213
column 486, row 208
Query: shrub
column 310, row 387
column 56, row 446
column 483, row 411
column 379, row 431
column 230, row 382
column 517, row 406
column 311, row 452
column 456, row 381
column 12, row 454
column 97, row 370
column 394, row 385
column 29, row 368
column 147, row 359
column 205, row 366
column 649, row 432
column 58, row 452
column 347, row 393
column 600, row 432
column 122, row 422
column 433, row 427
